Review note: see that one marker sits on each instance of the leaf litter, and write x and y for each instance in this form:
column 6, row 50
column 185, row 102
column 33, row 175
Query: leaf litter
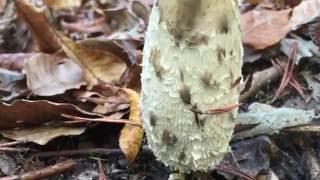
column 72, row 85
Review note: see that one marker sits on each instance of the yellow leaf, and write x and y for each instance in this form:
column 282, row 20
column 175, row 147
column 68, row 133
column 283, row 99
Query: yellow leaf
column 131, row 135
column 98, row 65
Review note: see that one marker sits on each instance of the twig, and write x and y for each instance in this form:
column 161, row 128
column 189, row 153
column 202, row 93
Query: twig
column 43, row 173
column 223, row 109
column 10, row 149
column 214, row 111
column 293, row 82
column 104, row 119
column 102, row 175
column 145, row 150
column 12, row 143
column 259, row 80
column 78, row 152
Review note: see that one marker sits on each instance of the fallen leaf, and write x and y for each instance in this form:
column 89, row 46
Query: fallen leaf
column 97, row 25
column 305, row 48
column 14, row 62
column 3, row 4
column 126, row 25
column 63, row 4
column 131, row 136
column 304, row 13
column 140, row 9
column 9, row 39
column 112, row 46
column 41, row 134
column 13, row 81
column 251, row 155
column 271, row 120
column 8, row 165
column 313, row 84
column 12, row 84
column 98, row 65
column 39, row 26
column 23, row 113
column 50, row 75
column 310, row 128
column 264, row 28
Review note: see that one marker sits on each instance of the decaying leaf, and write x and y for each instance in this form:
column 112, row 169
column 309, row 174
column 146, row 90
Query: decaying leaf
column 3, row 4
column 271, row 120
column 96, row 25
column 14, row 62
column 12, row 79
column 112, row 104
column 39, row 26
column 305, row 48
column 8, row 165
column 251, row 155
column 41, row 134
column 12, row 84
column 50, row 75
column 27, row 113
column 313, row 85
column 264, row 28
column 304, row 13
column 128, row 24
column 112, row 46
column 98, row 65
column 131, row 136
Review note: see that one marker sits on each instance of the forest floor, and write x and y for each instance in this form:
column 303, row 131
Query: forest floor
column 54, row 126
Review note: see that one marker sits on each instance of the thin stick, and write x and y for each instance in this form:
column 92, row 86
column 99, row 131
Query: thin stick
column 104, row 119
column 11, row 143
column 10, row 149
column 78, row 152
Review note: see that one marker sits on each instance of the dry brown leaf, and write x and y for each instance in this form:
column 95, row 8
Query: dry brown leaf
column 112, row 46
column 39, row 26
column 264, row 28
column 131, row 136
column 27, row 113
column 63, row 4
column 304, row 13
column 98, row 65
column 42, row 134
column 3, row 4
column 14, row 62
column 127, row 25
column 96, row 25
column 50, row 75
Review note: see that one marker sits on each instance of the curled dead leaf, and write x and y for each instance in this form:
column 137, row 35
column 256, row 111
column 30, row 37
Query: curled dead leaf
column 131, row 136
